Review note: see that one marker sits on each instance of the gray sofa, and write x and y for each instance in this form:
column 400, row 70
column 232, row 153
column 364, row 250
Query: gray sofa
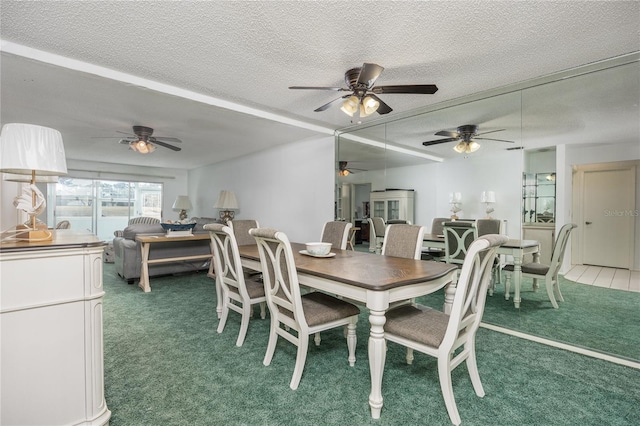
column 128, row 257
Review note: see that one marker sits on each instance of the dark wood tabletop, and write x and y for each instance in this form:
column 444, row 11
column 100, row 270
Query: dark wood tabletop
column 365, row 270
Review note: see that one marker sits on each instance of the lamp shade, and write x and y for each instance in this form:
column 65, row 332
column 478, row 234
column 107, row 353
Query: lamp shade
column 226, row 201
column 25, row 148
column 182, row 203
column 488, row 197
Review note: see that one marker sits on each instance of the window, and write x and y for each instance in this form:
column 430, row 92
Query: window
column 102, row 206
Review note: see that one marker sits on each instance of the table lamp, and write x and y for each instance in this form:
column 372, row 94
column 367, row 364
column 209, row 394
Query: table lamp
column 488, row 198
column 182, row 204
column 455, row 199
column 28, row 149
column 227, row 202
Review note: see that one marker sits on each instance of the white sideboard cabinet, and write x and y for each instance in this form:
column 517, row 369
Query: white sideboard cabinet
column 394, row 204
column 51, row 332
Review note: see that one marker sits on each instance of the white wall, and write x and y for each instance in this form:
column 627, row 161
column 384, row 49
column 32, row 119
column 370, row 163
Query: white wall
column 289, row 187
column 433, row 182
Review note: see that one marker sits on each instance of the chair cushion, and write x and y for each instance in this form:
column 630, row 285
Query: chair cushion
column 320, row 308
column 418, row 323
column 530, row 268
column 254, row 288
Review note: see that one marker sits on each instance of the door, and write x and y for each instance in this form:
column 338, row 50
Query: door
column 608, row 200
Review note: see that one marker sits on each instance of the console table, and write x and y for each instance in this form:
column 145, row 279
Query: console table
column 51, row 360
column 146, row 241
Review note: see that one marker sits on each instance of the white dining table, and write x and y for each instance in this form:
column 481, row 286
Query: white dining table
column 514, row 248
column 373, row 280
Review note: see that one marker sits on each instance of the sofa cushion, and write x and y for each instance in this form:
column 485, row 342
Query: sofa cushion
column 131, row 231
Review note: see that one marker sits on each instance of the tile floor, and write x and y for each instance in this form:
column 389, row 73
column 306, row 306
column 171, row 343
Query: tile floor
column 620, row 279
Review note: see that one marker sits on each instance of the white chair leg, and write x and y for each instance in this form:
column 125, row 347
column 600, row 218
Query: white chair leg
column 301, row 358
column 552, row 297
column 273, row 339
column 352, row 340
column 244, row 324
column 316, row 339
column 507, row 286
column 409, row 356
column 472, row 367
column 444, row 373
column 223, row 316
column 556, row 286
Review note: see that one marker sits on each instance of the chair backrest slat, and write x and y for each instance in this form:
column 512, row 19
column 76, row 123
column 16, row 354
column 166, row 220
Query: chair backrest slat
column 458, row 236
column 226, row 258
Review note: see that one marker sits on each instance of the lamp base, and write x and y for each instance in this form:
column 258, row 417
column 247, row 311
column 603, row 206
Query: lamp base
column 41, row 233
column 226, row 215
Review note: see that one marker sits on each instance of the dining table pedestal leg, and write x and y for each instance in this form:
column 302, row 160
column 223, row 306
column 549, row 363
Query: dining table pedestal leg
column 377, row 357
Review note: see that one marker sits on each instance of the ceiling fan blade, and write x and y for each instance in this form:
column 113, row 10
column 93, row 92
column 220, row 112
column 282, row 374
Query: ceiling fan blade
column 425, row 89
column 127, row 141
column 448, row 133
column 328, row 104
column 368, row 74
column 489, row 139
column 337, row 89
column 166, row 145
column 383, row 108
column 491, row 131
column 162, row 138
column 429, row 143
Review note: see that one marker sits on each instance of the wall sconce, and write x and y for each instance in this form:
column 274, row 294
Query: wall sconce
column 488, row 198
column 227, row 202
column 455, row 200
column 28, row 149
column 182, row 204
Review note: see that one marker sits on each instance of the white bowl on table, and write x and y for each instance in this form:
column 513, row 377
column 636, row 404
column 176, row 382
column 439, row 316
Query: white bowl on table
column 318, row 249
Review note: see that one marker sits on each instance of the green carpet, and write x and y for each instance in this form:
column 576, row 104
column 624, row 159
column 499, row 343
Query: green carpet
column 166, row 365
column 599, row 319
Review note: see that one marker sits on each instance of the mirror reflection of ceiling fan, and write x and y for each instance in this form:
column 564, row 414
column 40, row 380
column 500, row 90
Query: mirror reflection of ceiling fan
column 344, row 171
column 466, row 137
column 362, row 100
column 143, row 142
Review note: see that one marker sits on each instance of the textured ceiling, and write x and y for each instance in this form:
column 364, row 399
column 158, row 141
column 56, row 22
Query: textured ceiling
column 246, row 54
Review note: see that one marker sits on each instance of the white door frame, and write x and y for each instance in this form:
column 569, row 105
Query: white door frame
column 578, row 200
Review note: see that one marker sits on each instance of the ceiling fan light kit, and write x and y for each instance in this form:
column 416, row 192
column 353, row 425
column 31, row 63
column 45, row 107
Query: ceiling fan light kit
column 142, row 146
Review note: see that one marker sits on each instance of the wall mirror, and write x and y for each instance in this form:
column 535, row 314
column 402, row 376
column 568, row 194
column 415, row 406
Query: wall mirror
column 582, row 116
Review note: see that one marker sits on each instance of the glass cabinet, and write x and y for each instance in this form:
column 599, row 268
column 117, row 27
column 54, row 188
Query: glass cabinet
column 393, row 204
column 538, row 197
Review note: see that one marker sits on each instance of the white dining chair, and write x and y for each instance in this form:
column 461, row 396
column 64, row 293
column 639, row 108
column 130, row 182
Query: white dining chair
column 403, row 241
column 336, row 233
column 290, row 311
column 458, row 236
column 440, row 335
column 548, row 273
column 376, row 234
column 238, row 293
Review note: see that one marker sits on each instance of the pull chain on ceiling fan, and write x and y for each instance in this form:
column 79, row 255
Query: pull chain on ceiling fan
column 362, row 100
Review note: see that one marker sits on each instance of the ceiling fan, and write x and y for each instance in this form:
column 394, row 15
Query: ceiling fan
column 466, row 136
column 363, row 99
column 143, row 142
column 343, row 171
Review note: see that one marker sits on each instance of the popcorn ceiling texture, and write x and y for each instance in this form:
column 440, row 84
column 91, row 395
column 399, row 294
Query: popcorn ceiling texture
column 250, row 52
